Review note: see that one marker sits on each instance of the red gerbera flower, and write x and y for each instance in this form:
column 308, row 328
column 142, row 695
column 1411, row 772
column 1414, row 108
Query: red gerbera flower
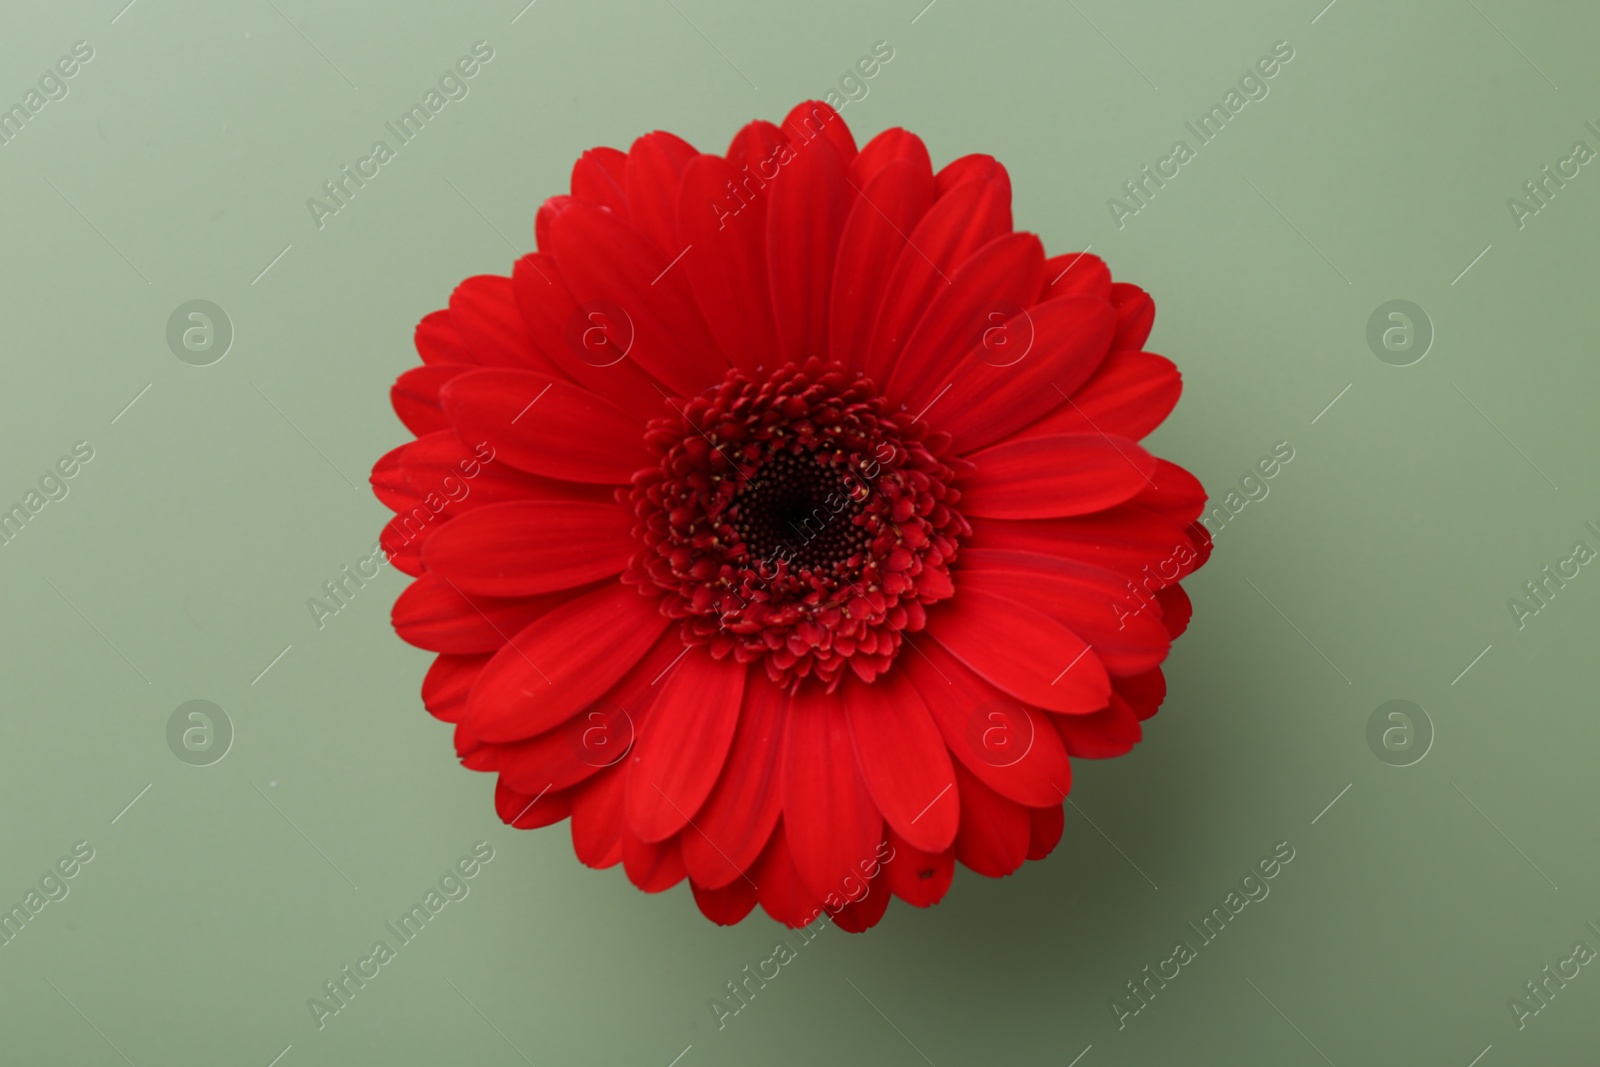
column 782, row 521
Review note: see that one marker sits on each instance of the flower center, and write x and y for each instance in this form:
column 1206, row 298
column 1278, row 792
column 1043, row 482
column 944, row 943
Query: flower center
column 797, row 520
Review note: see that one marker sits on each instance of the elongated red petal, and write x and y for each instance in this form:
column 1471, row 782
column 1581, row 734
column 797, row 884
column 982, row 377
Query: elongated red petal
column 1022, row 651
column 919, row 878
column 484, row 311
column 994, row 831
column 1027, row 367
column 1044, row 830
column 1093, row 603
column 1077, row 274
column 1047, row 477
column 729, row 278
column 685, row 742
column 415, row 396
column 738, row 818
column 893, row 145
column 727, row 905
column 1129, row 395
column 604, row 260
column 523, row 547
column 590, row 343
column 652, row 867
column 904, row 760
column 1006, row 744
column 597, row 820
column 546, row 426
column 833, row 825
column 989, row 286
column 561, row 662
column 654, row 171
column 809, row 118
column 447, row 683
column 1112, row 731
column 957, row 225
column 782, row 893
column 811, row 199
column 891, row 204
column 440, row 617
column 529, row 812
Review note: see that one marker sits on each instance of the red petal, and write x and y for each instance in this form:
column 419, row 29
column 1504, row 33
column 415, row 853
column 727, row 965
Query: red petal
column 918, row 878
column 727, row 905
column 977, row 167
column 904, row 760
column 1076, row 274
column 399, row 540
column 590, row 344
column 597, row 738
column 1022, row 651
column 684, row 744
column 1044, row 830
column 1129, row 395
column 737, row 820
column 437, row 616
column 1095, row 604
column 652, row 867
column 864, row 912
column 810, row 200
column 485, row 314
column 957, row 225
column 832, row 823
column 447, row 683
column 546, row 426
column 470, row 478
column 891, row 146
column 1112, row 731
column 782, row 893
column 525, row 812
column 1176, row 610
column 1144, row 692
column 994, row 282
column 389, row 482
column 437, row 340
column 1027, row 366
column 994, row 831
column 1126, row 539
column 1047, row 477
column 598, row 177
column 811, row 117
column 561, row 662
column 1007, row 745
column 597, row 820
column 730, row 278
column 602, row 258
column 415, row 396
column 1136, row 313
column 519, row 548
column 655, row 167
column 889, row 207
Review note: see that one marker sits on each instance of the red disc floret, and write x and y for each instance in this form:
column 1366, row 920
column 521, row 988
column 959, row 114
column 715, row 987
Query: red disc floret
column 797, row 520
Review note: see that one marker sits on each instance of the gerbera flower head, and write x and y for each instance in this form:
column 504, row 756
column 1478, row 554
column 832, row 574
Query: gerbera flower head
column 782, row 521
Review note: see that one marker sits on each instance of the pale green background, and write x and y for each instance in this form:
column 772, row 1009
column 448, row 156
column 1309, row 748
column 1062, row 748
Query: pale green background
column 1392, row 541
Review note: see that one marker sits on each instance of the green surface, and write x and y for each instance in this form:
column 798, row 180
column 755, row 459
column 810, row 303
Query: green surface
column 1379, row 565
